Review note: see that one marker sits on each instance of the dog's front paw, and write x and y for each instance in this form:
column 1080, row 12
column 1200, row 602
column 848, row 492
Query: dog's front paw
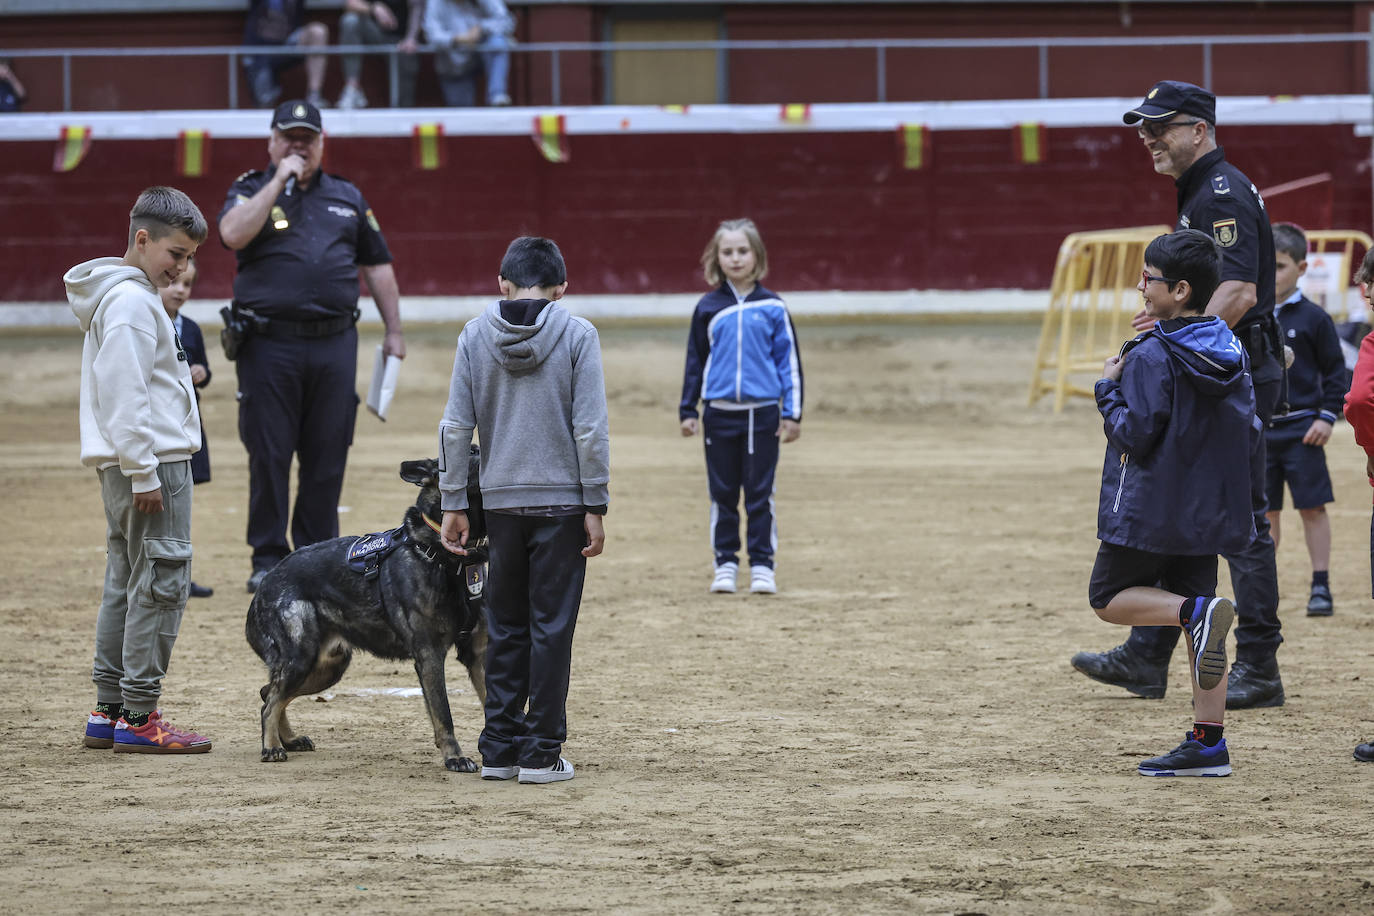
column 273, row 754
column 460, row 764
column 300, row 743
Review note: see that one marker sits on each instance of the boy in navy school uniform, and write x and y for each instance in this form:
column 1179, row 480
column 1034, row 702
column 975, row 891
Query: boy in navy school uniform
column 1315, row 389
column 1178, row 409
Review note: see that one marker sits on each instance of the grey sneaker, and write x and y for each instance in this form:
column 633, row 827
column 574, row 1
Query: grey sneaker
column 500, row 772
column 539, row 775
column 352, row 97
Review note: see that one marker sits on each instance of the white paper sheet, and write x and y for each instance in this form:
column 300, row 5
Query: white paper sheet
column 384, row 373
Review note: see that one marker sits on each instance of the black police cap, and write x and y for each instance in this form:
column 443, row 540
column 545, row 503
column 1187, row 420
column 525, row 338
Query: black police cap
column 297, row 113
column 1170, row 97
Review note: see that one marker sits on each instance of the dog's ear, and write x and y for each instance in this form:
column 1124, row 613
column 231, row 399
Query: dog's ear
column 421, row 473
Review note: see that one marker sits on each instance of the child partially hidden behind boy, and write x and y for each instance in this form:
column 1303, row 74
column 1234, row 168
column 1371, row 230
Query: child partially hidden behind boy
column 1314, row 391
column 1179, row 414
column 139, row 428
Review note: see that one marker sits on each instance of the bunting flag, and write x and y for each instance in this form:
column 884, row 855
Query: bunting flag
column 193, row 153
column 796, row 113
column 551, row 137
column 914, row 140
column 429, row 148
column 675, row 109
column 1030, row 142
column 72, row 146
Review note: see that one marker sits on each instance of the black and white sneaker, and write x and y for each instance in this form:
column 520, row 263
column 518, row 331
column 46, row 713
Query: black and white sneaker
column 1208, row 631
column 538, row 775
column 1191, row 758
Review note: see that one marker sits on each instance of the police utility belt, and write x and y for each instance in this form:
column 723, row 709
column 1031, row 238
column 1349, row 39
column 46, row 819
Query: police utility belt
column 242, row 324
column 1260, row 337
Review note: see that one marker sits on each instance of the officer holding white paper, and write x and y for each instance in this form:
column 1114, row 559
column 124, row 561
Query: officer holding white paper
column 301, row 236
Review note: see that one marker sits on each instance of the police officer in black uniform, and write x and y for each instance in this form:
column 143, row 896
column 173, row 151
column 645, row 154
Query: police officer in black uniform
column 1177, row 124
column 301, row 236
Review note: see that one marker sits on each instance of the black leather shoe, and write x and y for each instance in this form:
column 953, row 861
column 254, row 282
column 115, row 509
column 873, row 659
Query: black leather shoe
column 1365, row 752
column 1252, row 686
column 201, row 591
column 1319, row 603
column 255, row 580
column 1123, row 668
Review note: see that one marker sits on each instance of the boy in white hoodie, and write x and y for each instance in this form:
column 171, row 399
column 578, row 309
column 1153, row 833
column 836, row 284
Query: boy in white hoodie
column 139, row 427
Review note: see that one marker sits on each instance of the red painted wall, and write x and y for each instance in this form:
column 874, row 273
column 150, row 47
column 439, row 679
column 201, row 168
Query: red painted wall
column 632, row 212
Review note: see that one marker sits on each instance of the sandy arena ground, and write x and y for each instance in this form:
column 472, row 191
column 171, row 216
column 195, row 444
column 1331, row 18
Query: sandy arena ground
column 897, row 731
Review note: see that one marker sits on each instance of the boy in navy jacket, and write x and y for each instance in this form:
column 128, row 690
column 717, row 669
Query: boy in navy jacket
column 1178, row 409
column 1316, row 386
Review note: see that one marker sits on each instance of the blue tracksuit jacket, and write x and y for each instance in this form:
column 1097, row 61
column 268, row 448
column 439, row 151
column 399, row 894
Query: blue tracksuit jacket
column 1182, row 442
column 742, row 350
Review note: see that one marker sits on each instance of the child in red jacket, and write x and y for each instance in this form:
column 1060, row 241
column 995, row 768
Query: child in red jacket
column 1359, row 411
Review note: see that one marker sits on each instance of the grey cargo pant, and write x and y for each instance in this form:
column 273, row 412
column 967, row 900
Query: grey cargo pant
column 147, row 582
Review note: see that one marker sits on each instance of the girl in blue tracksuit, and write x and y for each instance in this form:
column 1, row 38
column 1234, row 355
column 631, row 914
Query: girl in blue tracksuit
column 742, row 361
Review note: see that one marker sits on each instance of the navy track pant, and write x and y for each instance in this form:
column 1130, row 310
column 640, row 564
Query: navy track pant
column 742, row 454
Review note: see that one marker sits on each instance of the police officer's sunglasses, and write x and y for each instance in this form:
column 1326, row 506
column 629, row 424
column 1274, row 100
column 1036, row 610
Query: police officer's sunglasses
column 1154, row 130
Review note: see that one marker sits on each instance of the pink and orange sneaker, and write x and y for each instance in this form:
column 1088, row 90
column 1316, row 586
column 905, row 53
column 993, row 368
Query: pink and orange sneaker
column 157, row 736
column 99, row 730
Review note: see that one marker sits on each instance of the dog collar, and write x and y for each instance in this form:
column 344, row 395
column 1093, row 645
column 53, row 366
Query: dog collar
column 431, row 523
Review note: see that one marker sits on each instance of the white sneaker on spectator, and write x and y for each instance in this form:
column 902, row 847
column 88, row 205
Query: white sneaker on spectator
column 352, row 97
column 316, row 99
column 762, row 581
column 500, row 100
column 725, row 578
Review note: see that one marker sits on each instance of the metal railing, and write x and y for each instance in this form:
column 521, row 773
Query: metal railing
column 722, row 48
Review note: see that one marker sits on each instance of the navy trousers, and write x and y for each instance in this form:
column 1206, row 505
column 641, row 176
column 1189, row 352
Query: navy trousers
column 742, row 453
column 296, row 397
column 534, row 589
column 1254, row 575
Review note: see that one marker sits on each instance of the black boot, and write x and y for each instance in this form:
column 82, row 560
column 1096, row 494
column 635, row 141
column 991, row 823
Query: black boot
column 1365, row 752
column 1122, row 667
column 1253, row 685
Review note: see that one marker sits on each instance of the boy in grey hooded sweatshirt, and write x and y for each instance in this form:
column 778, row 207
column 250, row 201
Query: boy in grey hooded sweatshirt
column 139, row 427
column 527, row 378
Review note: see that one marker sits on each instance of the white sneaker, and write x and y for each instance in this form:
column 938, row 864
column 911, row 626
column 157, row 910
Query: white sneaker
column 351, row 98
column 500, row 772
column 538, row 775
column 762, row 581
column 725, row 578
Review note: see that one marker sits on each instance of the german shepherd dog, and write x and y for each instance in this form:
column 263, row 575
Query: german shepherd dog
column 398, row 594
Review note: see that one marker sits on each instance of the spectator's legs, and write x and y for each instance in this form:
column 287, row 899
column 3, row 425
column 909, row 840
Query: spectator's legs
column 262, row 78
column 459, row 91
column 557, row 571
column 725, row 434
column 760, row 470
column 314, row 35
column 407, row 70
column 508, row 646
column 356, row 29
column 1316, row 529
column 495, row 53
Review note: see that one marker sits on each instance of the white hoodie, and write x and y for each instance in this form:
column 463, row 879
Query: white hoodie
column 138, row 406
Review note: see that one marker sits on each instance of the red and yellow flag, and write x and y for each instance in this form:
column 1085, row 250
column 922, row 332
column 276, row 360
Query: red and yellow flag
column 796, row 113
column 551, row 137
column 193, row 153
column 72, row 146
column 914, row 142
column 1031, row 143
column 428, row 144
column 675, row 109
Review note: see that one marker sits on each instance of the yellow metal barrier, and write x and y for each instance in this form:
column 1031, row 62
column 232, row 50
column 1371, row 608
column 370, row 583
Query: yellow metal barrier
column 1092, row 298
column 1334, row 256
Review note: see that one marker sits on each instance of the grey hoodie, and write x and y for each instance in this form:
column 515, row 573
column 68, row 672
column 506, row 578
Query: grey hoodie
column 138, row 406
column 537, row 399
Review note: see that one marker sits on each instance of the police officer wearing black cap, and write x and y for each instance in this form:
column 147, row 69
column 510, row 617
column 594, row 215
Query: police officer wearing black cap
column 1177, row 124
column 301, row 236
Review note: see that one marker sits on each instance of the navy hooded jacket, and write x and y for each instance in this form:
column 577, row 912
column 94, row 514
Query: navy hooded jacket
column 1182, row 438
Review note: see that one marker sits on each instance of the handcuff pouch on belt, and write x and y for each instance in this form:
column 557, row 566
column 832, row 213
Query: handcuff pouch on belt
column 241, row 324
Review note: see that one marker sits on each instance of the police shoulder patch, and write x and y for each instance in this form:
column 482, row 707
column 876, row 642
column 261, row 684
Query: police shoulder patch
column 247, row 174
column 1220, row 185
column 372, row 220
column 1225, row 232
